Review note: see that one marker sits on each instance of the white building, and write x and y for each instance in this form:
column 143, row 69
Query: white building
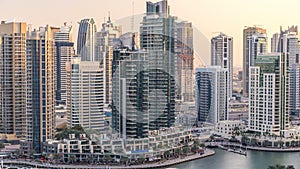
column 211, row 94
column 64, row 51
column 98, row 147
column 222, row 55
column 228, row 128
column 269, row 94
column 85, row 94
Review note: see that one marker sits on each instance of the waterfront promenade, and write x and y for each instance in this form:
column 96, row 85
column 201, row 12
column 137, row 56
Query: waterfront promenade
column 207, row 153
column 271, row 149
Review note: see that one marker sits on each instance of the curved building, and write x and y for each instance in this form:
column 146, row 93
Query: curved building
column 86, row 40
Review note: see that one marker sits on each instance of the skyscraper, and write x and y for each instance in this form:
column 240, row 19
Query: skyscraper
column 157, row 38
column 13, row 79
column 269, row 94
column 211, row 94
column 222, row 55
column 40, row 87
column 295, row 90
column 287, row 41
column 130, row 105
column 185, row 57
column 248, row 31
column 86, row 40
column 256, row 44
column 64, row 52
column 105, row 39
column 85, row 98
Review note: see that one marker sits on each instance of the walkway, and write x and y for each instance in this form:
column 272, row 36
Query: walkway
column 271, row 149
column 167, row 163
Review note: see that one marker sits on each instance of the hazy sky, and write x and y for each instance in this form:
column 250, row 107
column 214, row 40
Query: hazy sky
column 208, row 16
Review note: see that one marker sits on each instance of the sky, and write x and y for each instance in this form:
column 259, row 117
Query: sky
column 207, row 16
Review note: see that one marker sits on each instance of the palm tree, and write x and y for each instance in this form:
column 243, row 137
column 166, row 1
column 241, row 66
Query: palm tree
column 72, row 158
column 124, row 159
column 278, row 166
column 90, row 158
column 290, row 167
column 186, row 150
column 236, row 131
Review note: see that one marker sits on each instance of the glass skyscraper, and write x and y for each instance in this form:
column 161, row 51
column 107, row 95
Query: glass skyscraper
column 86, row 40
column 157, row 34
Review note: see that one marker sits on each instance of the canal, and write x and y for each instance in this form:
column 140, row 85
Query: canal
column 254, row 160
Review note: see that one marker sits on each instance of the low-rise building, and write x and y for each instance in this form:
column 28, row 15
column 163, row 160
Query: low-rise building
column 238, row 110
column 98, row 147
column 227, row 128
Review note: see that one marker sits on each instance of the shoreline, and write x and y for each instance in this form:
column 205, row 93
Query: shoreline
column 207, row 153
column 265, row 149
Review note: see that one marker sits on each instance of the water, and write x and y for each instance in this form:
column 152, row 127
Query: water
column 254, row 160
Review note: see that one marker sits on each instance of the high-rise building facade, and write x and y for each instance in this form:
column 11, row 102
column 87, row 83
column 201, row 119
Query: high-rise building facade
column 295, row 90
column 40, row 87
column 85, row 99
column 13, row 79
column 86, row 40
column 64, row 51
column 256, row 44
column 185, row 57
column 248, row 32
column 211, row 94
column 222, row 55
column 130, row 105
column 157, row 34
column 287, row 41
column 105, row 45
column 269, row 94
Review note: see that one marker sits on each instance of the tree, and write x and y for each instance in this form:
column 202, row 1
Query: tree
column 236, row 131
column 124, row 159
column 290, row 167
column 253, row 141
column 195, row 148
column 90, row 158
column 72, row 158
column 186, row 150
column 278, row 166
column 1, row 145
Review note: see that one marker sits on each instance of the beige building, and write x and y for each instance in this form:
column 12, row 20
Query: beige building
column 12, row 79
column 85, row 101
column 40, row 86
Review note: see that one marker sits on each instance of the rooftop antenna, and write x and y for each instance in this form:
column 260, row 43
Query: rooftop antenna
column 108, row 16
column 132, row 18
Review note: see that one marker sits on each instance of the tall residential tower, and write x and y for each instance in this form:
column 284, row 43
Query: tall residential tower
column 222, row 55
column 13, row 79
column 269, row 94
column 185, row 56
column 157, row 38
column 40, row 87
column 248, row 32
column 211, row 94
column 64, row 52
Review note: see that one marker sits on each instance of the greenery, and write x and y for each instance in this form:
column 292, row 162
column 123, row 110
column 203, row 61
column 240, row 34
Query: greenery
column 278, row 166
column 64, row 134
column 1, row 145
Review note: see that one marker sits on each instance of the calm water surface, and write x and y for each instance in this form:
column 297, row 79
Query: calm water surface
column 254, row 160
